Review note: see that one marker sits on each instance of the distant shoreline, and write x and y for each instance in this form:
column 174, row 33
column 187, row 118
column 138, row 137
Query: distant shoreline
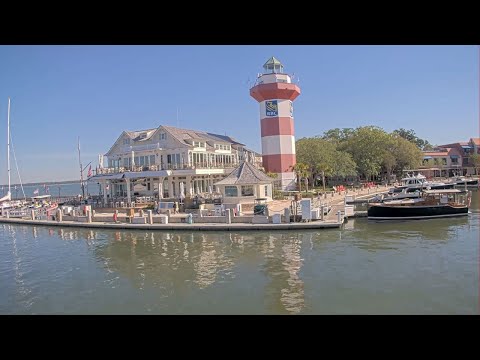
column 47, row 183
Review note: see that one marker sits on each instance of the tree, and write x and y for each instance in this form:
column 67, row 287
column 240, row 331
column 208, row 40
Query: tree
column 475, row 159
column 410, row 136
column 323, row 158
column 338, row 135
column 302, row 171
column 367, row 147
column 407, row 154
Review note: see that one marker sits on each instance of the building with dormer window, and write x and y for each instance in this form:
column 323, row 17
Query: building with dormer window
column 168, row 162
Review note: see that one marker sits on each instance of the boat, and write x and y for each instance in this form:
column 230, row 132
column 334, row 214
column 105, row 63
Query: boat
column 5, row 201
column 432, row 204
column 8, row 206
column 398, row 194
column 463, row 181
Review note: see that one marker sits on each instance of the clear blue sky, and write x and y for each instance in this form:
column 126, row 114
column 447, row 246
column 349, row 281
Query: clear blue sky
column 61, row 92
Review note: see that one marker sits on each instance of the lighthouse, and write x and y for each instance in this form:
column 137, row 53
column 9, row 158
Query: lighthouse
column 275, row 93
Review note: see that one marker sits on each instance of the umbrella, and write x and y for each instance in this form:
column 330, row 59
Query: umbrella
column 160, row 190
column 182, row 191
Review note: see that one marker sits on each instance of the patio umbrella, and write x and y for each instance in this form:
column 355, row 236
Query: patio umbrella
column 182, row 191
column 160, row 190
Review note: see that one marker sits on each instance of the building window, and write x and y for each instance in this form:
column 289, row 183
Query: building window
column 247, row 190
column 465, row 161
column 266, row 190
column 436, row 161
column 454, row 160
column 231, row 191
column 163, row 136
column 126, row 141
column 444, row 161
column 152, row 159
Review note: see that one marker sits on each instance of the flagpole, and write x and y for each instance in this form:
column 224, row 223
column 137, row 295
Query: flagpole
column 81, row 170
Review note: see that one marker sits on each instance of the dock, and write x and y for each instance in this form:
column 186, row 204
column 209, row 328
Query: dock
column 334, row 219
column 180, row 226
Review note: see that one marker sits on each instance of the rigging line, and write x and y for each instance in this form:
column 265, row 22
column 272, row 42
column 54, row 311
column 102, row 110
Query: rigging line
column 16, row 165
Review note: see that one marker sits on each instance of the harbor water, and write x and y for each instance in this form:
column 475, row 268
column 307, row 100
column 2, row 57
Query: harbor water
column 406, row 267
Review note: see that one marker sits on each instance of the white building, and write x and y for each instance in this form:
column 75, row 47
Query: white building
column 168, row 162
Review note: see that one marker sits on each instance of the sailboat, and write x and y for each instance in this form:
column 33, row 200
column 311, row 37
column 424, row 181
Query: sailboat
column 8, row 197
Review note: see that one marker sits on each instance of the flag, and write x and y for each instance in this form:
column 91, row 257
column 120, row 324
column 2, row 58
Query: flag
column 89, row 171
column 35, row 192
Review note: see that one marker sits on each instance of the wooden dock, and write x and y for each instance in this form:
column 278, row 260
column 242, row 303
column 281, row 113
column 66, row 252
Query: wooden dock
column 181, row 226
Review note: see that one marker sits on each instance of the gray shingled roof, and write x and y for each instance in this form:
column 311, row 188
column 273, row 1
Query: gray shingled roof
column 185, row 134
column 246, row 174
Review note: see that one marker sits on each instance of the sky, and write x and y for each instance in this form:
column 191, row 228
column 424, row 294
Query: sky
column 60, row 93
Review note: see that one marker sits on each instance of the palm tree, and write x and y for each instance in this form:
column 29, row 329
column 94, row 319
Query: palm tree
column 302, row 171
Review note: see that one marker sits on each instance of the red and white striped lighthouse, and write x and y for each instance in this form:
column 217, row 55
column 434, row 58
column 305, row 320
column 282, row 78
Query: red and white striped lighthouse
column 275, row 93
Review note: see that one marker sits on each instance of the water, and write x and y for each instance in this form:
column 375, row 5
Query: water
column 72, row 189
column 410, row 267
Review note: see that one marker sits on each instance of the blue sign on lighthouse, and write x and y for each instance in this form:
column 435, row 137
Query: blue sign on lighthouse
column 271, row 108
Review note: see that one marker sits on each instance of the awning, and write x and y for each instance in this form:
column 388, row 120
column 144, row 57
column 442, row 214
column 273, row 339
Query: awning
column 427, row 157
column 467, row 147
column 454, row 156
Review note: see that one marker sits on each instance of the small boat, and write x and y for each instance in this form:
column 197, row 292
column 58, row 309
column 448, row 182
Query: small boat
column 398, row 194
column 419, row 182
column 463, row 181
column 432, row 204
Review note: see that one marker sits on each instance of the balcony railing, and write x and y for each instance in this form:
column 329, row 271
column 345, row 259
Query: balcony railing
column 121, row 169
column 128, row 148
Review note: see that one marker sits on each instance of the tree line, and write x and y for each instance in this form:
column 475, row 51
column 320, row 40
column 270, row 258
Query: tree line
column 367, row 151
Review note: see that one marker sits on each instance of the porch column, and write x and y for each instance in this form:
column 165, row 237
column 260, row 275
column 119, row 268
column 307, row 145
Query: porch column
column 127, row 182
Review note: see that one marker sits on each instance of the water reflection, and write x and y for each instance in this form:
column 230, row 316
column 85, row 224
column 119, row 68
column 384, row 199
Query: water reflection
column 176, row 262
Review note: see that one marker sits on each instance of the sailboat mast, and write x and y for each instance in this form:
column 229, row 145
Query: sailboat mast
column 8, row 144
column 81, row 170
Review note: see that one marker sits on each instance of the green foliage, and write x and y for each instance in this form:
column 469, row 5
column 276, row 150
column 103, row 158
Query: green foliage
column 338, row 135
column 475, row 159
column 322, row 158
column 409, row 135
column 367, row 150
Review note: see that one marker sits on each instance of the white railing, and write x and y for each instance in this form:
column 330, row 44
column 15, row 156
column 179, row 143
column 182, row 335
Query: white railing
column 129, row 148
